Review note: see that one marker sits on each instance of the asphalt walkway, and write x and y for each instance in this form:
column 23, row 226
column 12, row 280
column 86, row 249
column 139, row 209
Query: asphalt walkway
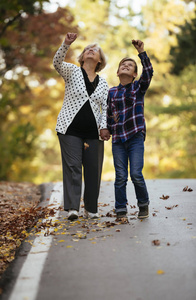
column 152, row 259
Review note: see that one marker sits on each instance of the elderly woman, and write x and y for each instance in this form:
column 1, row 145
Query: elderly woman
column 82, row 126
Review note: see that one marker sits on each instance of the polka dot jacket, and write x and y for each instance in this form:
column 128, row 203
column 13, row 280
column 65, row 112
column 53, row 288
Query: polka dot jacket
column 76, row 94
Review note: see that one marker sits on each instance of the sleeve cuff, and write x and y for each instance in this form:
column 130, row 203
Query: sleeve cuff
column 65, row 46
column 142, row 55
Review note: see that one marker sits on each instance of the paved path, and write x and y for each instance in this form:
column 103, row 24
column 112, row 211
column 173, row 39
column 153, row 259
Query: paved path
column 91, row 260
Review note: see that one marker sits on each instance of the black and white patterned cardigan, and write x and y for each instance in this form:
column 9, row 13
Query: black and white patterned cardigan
column 76, row 94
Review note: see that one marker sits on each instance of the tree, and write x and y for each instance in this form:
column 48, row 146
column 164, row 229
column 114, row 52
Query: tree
column 11, row 12
column 26, row 106
column 184, row 53
column 171, row 102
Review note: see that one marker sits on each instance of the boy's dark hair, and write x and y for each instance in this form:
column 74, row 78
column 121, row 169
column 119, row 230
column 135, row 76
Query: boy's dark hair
column 125, row 59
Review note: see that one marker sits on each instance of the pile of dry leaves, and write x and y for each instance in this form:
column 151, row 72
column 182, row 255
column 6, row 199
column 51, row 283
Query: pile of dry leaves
column 19, row 212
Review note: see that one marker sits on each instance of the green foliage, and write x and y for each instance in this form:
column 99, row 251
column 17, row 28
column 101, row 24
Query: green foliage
column 16, row 146
column 184, row 53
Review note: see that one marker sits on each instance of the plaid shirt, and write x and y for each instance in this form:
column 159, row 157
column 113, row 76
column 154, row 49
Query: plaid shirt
column 125, row 111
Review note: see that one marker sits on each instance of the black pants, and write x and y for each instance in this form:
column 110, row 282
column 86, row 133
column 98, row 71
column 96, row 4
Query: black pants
column 74, row 156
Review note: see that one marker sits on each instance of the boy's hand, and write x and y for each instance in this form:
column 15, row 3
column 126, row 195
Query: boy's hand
column 70, row 38
column 105, row 134
column 139, row 45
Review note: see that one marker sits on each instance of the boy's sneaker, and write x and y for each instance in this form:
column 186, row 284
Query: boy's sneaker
column 90, row 215
column 121, row 214
column 72, row 215
column 143, row 212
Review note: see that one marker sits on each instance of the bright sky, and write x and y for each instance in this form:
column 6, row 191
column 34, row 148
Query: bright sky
column 135, row 4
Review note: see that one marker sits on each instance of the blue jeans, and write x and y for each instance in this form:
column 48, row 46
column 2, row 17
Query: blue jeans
column 132, row 150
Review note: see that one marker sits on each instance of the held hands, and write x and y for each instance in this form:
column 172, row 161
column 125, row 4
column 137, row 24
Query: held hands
column 105, row 134
column 139, row 45
column 70, row 38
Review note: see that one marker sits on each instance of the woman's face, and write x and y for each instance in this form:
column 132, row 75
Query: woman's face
column 91, row 53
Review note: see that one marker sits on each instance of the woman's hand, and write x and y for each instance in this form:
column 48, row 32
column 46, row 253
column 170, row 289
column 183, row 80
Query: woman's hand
column 70, row 38
column 139, row 45
column 104, row 134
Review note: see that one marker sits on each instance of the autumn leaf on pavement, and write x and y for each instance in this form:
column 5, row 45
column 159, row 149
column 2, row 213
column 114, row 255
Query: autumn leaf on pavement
column 156, row 242
column 164, row 197
column 110, row 215
column 52, row 212
column 110, row 224
column 134, row 213
column 187, row 189
column 122, row 220
column 171, row 207
column 160, row 272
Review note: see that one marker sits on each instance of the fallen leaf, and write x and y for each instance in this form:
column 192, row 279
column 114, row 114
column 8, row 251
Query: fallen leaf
column 124, row 221
column 133, row 214
column 109, row 224
column 171, row 207
column 86, row 146
column 103, row 205
column 164, row 197
column 156, row 242
column 110, row 215
column 132, row 206
column 160, row 272
column 187, row 189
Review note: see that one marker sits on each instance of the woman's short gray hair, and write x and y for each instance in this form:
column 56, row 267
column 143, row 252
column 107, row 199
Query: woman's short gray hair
column 101, row 65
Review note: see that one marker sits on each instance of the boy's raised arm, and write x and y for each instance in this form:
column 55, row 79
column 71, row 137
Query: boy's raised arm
column 147, row 71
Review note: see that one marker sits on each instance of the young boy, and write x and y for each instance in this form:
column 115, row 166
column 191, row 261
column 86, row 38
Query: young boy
column 126, row 123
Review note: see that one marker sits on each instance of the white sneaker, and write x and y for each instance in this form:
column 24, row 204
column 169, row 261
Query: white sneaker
column 93, row 215
column 72, row 215
column 90, row 215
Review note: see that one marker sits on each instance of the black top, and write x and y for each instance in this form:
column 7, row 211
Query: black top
column 84, row 124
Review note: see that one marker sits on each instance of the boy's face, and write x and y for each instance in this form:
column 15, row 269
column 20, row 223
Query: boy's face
column 127, row 68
